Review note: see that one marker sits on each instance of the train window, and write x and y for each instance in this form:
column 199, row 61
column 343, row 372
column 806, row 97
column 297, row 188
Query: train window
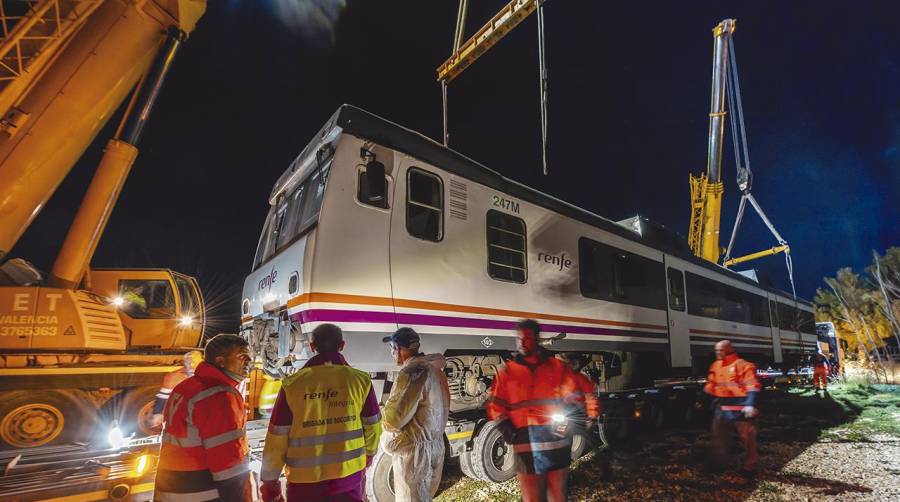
column 424, row 205
column 710, row 298
column 507, row 253
column 312, row 203
column 292, row 215
column 263, row 242
column 609, row 273
column 787, row 317
column 807, row 322
column 291, row 210
column 362, row 191
column 676, row 289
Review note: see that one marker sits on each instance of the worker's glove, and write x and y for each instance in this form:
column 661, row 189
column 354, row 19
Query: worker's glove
column 270, row 491
column 750, row 411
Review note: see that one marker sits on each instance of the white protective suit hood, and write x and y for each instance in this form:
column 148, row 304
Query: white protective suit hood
column 419, row 404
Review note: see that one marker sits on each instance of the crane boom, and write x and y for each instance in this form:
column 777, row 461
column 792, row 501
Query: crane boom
column 706, row 189
column 65, row 84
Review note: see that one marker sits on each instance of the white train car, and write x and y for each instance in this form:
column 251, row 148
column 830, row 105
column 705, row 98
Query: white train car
column 375, row 226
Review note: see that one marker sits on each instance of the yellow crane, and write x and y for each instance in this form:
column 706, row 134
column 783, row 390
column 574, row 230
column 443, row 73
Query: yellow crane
column 81, row 346
column 707, row 188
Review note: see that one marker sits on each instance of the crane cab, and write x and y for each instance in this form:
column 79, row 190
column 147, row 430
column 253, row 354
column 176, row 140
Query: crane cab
column 159, row 308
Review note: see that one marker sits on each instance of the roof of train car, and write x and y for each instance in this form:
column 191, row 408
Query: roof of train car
column 361, row 123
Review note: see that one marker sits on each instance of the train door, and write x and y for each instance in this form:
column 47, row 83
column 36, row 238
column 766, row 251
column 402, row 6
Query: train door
column 776, row 332
column 679, row 333
column 418, row 270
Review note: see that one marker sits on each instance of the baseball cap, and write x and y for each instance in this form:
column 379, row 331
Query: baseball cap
column 404, row 337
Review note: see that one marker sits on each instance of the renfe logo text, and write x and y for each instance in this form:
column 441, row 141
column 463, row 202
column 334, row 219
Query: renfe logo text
column 560, row 261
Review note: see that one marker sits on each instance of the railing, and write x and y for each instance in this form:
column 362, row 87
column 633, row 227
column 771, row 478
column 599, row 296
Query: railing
column 32, row 31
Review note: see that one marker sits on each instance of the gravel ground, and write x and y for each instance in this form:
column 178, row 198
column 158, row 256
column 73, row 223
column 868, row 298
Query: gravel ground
column 837, row 471
column 843, row 448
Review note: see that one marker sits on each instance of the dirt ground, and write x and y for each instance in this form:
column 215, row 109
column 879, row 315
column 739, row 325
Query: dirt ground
column 842, row 447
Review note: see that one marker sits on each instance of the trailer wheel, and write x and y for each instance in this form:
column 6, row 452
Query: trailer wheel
column 32, row 419
column 380, row 479
column 465, row 464
column 613, row 429
column 580, row 444
column 137, row 411
column 492, row 459
column 657, row 416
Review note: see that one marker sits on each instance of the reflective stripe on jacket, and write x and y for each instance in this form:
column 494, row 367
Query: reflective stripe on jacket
column 203, row 455
column 325, row 422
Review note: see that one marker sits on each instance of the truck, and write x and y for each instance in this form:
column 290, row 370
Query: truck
column 83, row 350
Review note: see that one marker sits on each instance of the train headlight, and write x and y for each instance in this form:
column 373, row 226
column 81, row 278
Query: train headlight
column 558, row 418
column 186, row 320
column 118, row 301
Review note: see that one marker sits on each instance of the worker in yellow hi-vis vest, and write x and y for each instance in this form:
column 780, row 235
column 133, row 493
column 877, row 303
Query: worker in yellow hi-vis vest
column 324, row 428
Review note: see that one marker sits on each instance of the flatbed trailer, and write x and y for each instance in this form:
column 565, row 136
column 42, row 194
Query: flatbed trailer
column 81, row 473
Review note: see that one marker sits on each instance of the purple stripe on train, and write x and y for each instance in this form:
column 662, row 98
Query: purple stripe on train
column 338, row 316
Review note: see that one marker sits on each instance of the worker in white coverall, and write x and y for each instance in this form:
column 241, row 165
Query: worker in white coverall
column 414, row 417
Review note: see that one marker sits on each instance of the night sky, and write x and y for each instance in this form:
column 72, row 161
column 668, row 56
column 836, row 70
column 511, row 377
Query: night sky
column 629, row 98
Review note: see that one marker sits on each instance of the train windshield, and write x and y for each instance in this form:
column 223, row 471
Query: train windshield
column 292, row 216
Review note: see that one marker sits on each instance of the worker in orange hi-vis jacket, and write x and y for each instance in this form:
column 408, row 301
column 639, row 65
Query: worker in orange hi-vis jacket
column 532, row 398
column 820, row 373
column 732, row 382
column 204, row 451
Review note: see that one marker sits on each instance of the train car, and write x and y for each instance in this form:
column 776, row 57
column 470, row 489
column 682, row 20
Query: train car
column 375, row 226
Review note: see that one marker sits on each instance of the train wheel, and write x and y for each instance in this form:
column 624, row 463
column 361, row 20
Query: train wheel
column 32, row 419
column 492, row 459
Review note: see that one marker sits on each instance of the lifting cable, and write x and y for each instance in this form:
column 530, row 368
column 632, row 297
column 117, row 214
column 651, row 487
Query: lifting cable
column 487, row 37
column 742, row 163
column 457, row 41
column 544, row 83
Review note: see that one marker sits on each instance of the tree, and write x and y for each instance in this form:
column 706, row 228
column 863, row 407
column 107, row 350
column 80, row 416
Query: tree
column 885, row 274
column 863, row 311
